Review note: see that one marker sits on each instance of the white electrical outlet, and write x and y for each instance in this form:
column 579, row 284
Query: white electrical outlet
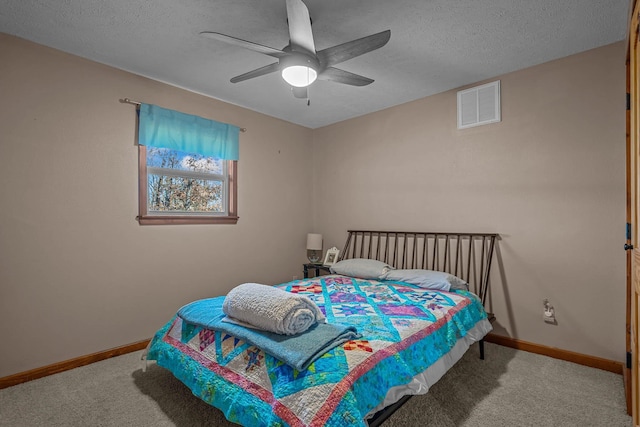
column 549, row 317
column 549, row 313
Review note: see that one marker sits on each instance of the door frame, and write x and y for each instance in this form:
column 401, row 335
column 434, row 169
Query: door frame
column 631, row 377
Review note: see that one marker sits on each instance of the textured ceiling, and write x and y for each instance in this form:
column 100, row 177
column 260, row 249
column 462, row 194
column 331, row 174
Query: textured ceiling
column 436, row 45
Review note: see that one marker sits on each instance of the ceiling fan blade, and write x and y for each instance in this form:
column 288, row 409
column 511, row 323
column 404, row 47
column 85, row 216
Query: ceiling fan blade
column 299, row 92
column 345, row 77
column 245, row 44
column 300, row 34
column 257, row 72
column 345, row 51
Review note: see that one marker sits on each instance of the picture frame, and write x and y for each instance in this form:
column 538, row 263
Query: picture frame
column 331, row 257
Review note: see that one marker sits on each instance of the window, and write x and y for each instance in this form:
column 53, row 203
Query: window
column 186, row 188
column 187, row 169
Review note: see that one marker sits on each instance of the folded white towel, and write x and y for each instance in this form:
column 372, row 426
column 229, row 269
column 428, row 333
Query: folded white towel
column 271, row 309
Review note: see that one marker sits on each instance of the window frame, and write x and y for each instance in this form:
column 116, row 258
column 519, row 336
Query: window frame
column 144, row 218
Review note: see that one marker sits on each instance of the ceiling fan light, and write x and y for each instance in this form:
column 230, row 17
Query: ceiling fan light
column 299, row 75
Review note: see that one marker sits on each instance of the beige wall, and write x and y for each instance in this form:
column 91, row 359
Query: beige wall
column 79, row 275
column 550, row 178
column 77, row 272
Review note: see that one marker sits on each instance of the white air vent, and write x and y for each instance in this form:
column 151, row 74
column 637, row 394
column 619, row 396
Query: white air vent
column 479, row 105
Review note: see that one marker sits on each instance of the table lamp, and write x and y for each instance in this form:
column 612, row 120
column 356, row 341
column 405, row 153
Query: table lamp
column 314, row 247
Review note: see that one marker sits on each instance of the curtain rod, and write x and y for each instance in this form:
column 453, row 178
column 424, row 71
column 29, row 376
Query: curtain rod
column 128, row 101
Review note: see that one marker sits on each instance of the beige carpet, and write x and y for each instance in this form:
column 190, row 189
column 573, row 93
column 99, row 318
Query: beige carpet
column 509, row 388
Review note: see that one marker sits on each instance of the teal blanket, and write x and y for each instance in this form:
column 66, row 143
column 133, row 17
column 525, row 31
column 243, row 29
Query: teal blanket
column 298, row 351
column 405, row 331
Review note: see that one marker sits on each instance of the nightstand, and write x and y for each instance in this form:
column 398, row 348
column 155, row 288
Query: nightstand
column 317, row 267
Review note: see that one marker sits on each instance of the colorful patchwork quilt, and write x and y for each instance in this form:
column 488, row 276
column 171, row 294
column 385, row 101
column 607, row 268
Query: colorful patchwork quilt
column 405, row 329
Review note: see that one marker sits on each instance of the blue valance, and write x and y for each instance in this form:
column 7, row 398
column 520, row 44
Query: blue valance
column 159, row 127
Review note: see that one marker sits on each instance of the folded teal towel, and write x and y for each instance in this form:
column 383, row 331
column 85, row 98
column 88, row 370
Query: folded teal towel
column 298, row 351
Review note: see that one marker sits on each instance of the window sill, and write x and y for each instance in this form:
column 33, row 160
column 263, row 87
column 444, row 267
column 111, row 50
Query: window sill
column 182, row 220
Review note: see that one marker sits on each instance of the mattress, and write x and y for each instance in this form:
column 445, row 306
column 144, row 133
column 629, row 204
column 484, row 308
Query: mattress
column 410, row 337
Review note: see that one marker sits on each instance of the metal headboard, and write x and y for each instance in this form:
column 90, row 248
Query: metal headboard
column 465, row 255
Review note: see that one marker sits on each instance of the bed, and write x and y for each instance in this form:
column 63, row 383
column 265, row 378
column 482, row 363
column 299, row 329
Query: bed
column 410, row 336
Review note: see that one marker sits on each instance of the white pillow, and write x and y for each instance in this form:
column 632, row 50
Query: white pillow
column 362, row 268
column 428, row 279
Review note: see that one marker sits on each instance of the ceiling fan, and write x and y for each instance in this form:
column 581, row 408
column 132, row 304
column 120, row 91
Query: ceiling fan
column 299, row 62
